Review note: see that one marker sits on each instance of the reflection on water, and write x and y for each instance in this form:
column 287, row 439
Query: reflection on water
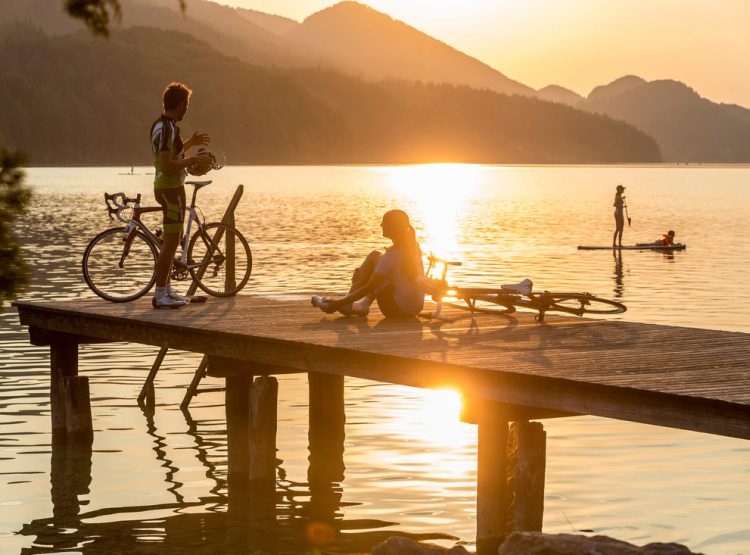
column 157, row 481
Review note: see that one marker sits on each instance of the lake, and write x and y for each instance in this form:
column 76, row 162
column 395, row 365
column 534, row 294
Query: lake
column 158, row 483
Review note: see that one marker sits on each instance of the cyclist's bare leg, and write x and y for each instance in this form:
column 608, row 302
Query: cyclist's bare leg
column 360, row 276
column 170, row 241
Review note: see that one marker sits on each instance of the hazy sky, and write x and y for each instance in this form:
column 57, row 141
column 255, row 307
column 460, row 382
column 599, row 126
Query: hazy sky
column 580, row 44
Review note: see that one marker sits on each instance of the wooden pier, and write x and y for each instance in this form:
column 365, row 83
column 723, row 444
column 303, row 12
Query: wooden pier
column 509, row 369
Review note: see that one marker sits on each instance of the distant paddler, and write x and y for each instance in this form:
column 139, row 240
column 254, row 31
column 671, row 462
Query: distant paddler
column 619, row 205
column 667, row 240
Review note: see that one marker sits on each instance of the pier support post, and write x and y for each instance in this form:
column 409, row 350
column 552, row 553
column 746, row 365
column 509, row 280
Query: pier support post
column 147, row 396
column 511, row 462
column 263, row 412
column 238, row 425
column 78, row 423
column 63, row 364
column 326, row 444
column 492, row 502
column 69, row 394
column 527, row 452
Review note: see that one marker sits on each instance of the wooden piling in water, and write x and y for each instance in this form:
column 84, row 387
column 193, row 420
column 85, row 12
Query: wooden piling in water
column 238, row 424
column 492, row 502
column 147, row 395
column 78, row 424
column 63, row 364
column 527, row 455
column 263, row 412
column 69, row 394
column 327, row 419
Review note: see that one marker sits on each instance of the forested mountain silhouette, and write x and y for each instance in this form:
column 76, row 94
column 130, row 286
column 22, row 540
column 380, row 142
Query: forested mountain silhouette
column 379, row 47
column 348, row 36
column 688, row 127
column 74, row 99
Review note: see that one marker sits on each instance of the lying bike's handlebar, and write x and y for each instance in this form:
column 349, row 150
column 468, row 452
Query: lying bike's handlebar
column 117, row 202
column 435, row 260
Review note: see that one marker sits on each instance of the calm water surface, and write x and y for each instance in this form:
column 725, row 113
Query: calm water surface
column 157, row 484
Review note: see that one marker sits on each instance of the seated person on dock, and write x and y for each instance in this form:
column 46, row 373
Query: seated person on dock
column 391, row 278
column 667, row 240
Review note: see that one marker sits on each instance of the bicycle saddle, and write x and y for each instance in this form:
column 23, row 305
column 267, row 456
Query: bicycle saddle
column 199, row 184
column 522, row 287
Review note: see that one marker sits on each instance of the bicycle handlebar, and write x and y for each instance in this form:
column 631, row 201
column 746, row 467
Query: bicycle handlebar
column 435, row 260
column 119, row 202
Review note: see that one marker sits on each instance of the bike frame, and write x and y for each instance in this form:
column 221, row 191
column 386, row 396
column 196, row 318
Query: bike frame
column 135, row 224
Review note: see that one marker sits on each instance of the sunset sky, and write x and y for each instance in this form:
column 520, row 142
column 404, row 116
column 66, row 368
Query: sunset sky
column 580, row 44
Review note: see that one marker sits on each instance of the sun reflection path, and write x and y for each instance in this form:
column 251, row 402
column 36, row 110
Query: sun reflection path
column 434, row 424
column 437, row 196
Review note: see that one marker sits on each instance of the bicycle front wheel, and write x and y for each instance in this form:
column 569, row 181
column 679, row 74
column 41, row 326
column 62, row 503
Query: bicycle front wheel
column 583, row 303
column 120, row 266
column 219, row 260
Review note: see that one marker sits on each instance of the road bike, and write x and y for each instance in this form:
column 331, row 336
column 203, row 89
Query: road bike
column 506, row 298
column 119, row 264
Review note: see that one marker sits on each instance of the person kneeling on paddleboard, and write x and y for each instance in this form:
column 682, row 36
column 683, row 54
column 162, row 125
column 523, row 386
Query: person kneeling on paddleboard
column 667, row 240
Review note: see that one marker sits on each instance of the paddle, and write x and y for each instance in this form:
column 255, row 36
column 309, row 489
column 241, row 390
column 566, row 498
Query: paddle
column 626, row 213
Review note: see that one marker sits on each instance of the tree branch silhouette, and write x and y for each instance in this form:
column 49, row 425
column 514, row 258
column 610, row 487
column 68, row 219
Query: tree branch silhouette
column 98, row 15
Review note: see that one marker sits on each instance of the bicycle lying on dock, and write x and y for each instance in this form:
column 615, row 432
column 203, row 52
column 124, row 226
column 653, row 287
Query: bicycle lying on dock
column 507, row 298
column 119, row 264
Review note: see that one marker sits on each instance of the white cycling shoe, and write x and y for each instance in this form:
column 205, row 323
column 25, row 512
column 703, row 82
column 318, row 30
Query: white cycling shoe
column 177, row 297
column 165, row 301
column 320, row 302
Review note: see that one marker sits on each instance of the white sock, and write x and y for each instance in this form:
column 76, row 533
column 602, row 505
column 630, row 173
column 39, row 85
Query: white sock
column 161, row 291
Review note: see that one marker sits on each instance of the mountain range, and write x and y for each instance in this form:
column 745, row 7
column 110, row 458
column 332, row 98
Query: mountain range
column 360, row 42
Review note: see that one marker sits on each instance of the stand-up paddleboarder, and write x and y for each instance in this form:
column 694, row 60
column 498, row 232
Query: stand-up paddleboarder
column 619, row 216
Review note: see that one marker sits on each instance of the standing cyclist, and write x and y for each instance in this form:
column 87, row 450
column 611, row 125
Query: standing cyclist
column 169, row 184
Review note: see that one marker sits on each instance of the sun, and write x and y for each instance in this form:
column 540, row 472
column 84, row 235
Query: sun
column 437, row 196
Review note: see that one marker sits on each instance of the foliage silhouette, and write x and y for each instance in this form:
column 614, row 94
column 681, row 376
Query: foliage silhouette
column 97, row 15
column 14, row 197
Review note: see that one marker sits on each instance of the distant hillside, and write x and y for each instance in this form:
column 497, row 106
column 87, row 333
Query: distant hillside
column 75, row 99
column 380, row 47
column 687, row 127
column 349, row 37
column 561, row 95
column 231, row 31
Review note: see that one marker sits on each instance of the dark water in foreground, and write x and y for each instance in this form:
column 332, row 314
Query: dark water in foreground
column 157, row 484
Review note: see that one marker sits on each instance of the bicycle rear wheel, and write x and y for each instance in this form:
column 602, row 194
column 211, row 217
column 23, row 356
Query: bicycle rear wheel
column 120, row 266
column 220, row 260
column 484, row 300
column 583, row 303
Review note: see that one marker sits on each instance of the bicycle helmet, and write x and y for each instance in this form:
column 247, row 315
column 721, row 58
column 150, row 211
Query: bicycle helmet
column 202, row 168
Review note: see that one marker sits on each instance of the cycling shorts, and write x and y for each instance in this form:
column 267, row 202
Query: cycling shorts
column 172, row 202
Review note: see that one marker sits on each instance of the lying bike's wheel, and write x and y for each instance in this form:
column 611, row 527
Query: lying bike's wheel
column 486, row 301
column 583, row 303
column 215, row 271
column 119, row 267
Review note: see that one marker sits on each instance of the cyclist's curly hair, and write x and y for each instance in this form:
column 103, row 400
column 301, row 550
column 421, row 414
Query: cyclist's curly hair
column 174, row 94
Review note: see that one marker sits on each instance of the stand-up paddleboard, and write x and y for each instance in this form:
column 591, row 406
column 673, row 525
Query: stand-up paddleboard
column 639, row 247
